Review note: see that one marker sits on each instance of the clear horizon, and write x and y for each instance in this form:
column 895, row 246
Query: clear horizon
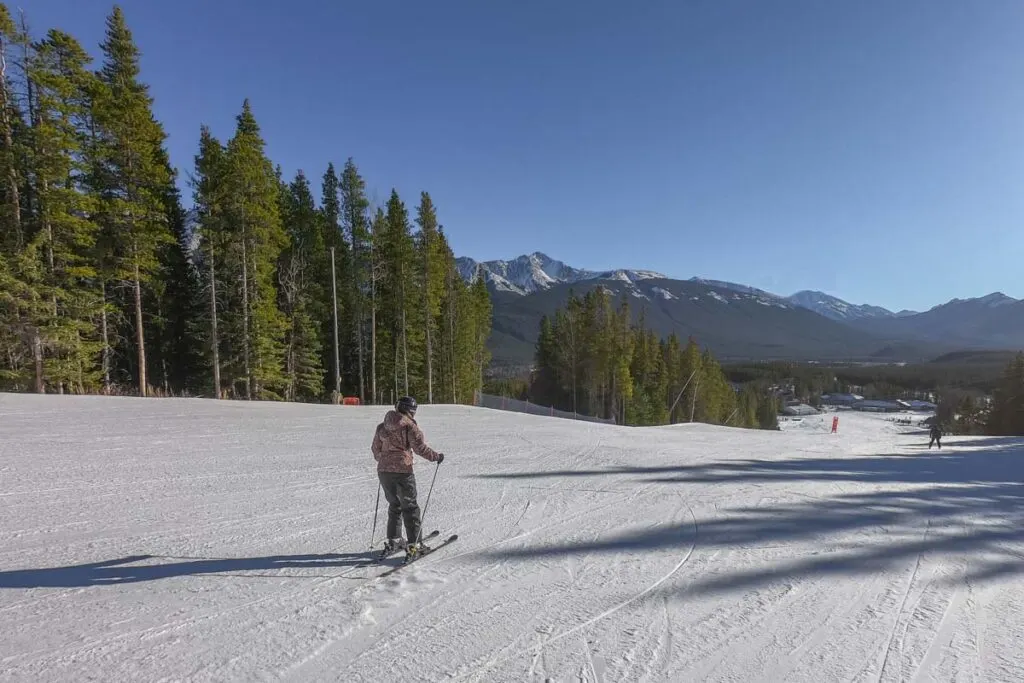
column 870, row 151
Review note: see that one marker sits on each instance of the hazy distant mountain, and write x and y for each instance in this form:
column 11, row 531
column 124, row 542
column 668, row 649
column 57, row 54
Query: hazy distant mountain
column 837, row 309
column 995, row 321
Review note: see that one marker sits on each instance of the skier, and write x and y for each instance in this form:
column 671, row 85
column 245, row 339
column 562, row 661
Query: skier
column 936, row 436
column 394, row 443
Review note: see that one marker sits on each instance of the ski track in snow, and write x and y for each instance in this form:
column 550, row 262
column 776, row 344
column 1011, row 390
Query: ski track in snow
column 212, row 541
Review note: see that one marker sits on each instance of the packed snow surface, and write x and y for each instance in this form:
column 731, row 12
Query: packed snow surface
column 210, row 541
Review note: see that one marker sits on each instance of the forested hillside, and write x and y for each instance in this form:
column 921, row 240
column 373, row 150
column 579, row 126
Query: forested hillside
column 108, row 285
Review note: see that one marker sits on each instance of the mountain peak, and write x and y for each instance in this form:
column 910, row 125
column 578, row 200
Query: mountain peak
column 989, row 300
column 835, row 308
column 537, row 272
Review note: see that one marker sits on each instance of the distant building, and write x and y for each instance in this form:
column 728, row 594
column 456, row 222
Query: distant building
column 878, row 406
column 800, row 409
column 840, row 399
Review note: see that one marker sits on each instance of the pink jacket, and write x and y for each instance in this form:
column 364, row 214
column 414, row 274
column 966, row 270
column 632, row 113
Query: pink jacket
column 394, row 442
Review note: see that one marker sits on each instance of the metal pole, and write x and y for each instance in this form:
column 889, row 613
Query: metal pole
column 427, row 504
column 334, row 296
column 693, row 406
column 673, row 407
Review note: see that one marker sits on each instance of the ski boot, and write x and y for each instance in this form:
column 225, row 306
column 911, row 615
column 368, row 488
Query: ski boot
column 415, row 551
column 392, row 546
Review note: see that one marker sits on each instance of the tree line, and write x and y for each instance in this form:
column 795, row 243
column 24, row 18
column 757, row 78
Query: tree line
column 1001, row 414
column 591, row 358
column 108, row 285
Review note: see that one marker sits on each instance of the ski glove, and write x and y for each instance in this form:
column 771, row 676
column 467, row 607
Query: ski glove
column 440, row 457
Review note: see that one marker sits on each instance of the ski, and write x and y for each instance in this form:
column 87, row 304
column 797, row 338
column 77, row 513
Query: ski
column 383, row 556
column 431, row 551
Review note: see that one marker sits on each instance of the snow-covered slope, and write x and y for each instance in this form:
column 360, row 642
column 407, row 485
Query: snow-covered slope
column 736, row 287
column 837, row 309
column 537, row 272
column 214, row 541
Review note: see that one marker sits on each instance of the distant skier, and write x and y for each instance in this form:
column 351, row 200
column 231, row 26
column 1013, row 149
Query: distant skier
column 394, row 443
column 936, row 436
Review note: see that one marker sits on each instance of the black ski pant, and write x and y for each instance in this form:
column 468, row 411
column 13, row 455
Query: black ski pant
column 935, row 440
column 400, row 491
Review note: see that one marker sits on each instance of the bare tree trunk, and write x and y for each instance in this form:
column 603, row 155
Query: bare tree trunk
column 37, row 353
column 334, row 305
column 140, row 336
column 106, row 339
column 405, row 350
column 373, row 337
column 13, row 195
column 430, row 364
column 81, row 370
column 245, row 320
column 360, row 338
column 451, row 329
column 214, row 339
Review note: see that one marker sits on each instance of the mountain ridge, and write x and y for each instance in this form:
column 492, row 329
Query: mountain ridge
column 737, row 320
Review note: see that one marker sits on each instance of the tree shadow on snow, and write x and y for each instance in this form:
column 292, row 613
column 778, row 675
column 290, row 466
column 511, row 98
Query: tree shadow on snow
column 124, row 570
column 881, row 512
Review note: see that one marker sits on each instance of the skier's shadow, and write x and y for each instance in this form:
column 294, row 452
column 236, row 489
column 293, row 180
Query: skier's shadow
column 125, row 569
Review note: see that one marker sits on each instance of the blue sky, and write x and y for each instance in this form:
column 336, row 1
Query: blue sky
column 870, row 149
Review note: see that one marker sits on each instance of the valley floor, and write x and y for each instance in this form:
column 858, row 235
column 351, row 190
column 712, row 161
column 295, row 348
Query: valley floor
column 202, row 540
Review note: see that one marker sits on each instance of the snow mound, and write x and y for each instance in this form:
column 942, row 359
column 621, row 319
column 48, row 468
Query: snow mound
column 204, row 540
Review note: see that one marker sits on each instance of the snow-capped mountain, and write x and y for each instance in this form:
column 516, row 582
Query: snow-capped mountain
column 837, row 309
column 735, row 287
column 538, row 272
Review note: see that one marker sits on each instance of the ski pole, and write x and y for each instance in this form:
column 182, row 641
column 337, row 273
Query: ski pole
column 427, row 504
column 376, row 509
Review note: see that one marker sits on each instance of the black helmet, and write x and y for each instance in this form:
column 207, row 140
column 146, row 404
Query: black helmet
column 406, row 405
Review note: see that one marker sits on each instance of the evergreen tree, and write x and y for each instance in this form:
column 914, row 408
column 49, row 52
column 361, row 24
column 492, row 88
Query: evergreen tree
column 131, row 176
column 65, row 235
column 1007, row 415
column 253, row 216
column 480, row 318
column 432, row 266
column 178, row 330
column 11, row 229
column 333, row 241
column 210, row 198
column 398, row 295
column 544, row 386
column 361, row 278
column 302, row 291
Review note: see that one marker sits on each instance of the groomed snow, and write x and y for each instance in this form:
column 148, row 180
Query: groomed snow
column 205, row 541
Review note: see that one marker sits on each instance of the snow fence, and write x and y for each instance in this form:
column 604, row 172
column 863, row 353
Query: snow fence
column 517, row 406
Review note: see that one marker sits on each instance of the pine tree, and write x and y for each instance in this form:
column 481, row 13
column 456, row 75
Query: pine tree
column 330, row 314
column 544, row 386
column 432, row 285
column 302, row 291
column 1007, row 415
column 178, row 329
column 66, row 235
column 360, row 277
column 398, row 297
column 209, row 196
column 131, row 177
column 253, row 215
column 480, row 302
column 376, row 271
column 11, row 230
